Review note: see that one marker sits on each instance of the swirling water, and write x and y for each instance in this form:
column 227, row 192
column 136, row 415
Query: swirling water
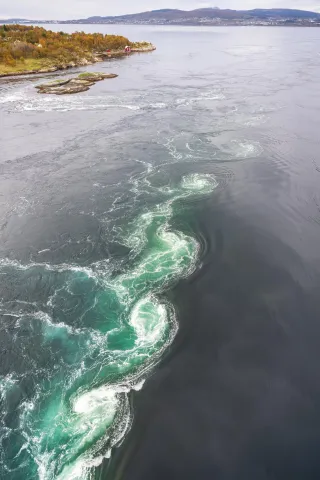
column 80, row 410
column 112, row 200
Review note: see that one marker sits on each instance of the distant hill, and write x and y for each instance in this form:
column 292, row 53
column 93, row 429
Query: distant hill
column 282, row 13
column 201, row 15
column 198, row 16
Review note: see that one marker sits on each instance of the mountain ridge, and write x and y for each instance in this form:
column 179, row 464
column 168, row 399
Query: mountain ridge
column 167, row 16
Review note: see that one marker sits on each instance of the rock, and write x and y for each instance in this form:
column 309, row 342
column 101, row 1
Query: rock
column 68, row 86
column 82, row 62
column 78, row 81
column 67, row 89
column 54, row 83
column 95, row 76
column 73, row 85
column 142, row 49
column 47, row 70
column 110, row 75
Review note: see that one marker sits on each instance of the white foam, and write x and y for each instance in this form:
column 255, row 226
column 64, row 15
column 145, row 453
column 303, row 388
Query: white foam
column 201, row 183
column 149, row 319
column 12, row 97
column 245, row 149
column 62, row 267
column 78, row 470
column 67, row 107
column 101, row 400
column 205, row 96
column 6, row 383
column 138, row 386
column 158, row 105
column 239, row 148
column 28, row 100
column 52, row 329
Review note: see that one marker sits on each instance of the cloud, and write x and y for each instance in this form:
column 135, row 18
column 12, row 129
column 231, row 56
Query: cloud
column 62, row 9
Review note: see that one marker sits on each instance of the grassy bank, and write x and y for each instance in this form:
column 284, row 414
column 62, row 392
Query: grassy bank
column 28, row 49
column 26, row 65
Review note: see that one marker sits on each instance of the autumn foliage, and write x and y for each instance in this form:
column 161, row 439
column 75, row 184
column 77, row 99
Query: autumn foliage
column 20, row 42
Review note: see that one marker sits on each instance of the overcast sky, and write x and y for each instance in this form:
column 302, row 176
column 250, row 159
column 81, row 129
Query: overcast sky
column 68, row 9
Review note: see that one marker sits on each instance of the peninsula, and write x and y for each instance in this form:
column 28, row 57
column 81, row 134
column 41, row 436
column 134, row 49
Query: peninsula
column 27, row 49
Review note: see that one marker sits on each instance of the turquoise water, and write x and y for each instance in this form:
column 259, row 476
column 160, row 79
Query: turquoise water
column 81, row 409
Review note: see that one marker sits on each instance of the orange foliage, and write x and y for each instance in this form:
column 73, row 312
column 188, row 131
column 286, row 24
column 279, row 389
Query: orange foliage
column 20, row 41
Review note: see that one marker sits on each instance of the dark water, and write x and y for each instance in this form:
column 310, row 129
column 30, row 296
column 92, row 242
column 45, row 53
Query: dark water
column 160, row 263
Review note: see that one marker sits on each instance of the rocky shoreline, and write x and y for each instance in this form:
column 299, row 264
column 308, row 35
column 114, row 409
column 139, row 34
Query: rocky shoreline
column 97, row 57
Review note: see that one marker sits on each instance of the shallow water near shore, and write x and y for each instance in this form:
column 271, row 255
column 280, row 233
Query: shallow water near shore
column 160, row 262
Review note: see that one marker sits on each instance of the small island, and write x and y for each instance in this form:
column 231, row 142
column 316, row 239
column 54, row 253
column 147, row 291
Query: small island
column 81, row 83
column 28, row 50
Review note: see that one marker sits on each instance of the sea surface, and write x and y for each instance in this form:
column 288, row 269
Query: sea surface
column 160, row 263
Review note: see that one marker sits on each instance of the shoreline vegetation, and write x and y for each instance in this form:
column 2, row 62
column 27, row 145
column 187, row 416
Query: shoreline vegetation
column 26, row 50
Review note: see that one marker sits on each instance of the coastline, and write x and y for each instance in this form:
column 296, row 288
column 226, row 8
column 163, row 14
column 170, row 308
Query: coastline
column 97, row 58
